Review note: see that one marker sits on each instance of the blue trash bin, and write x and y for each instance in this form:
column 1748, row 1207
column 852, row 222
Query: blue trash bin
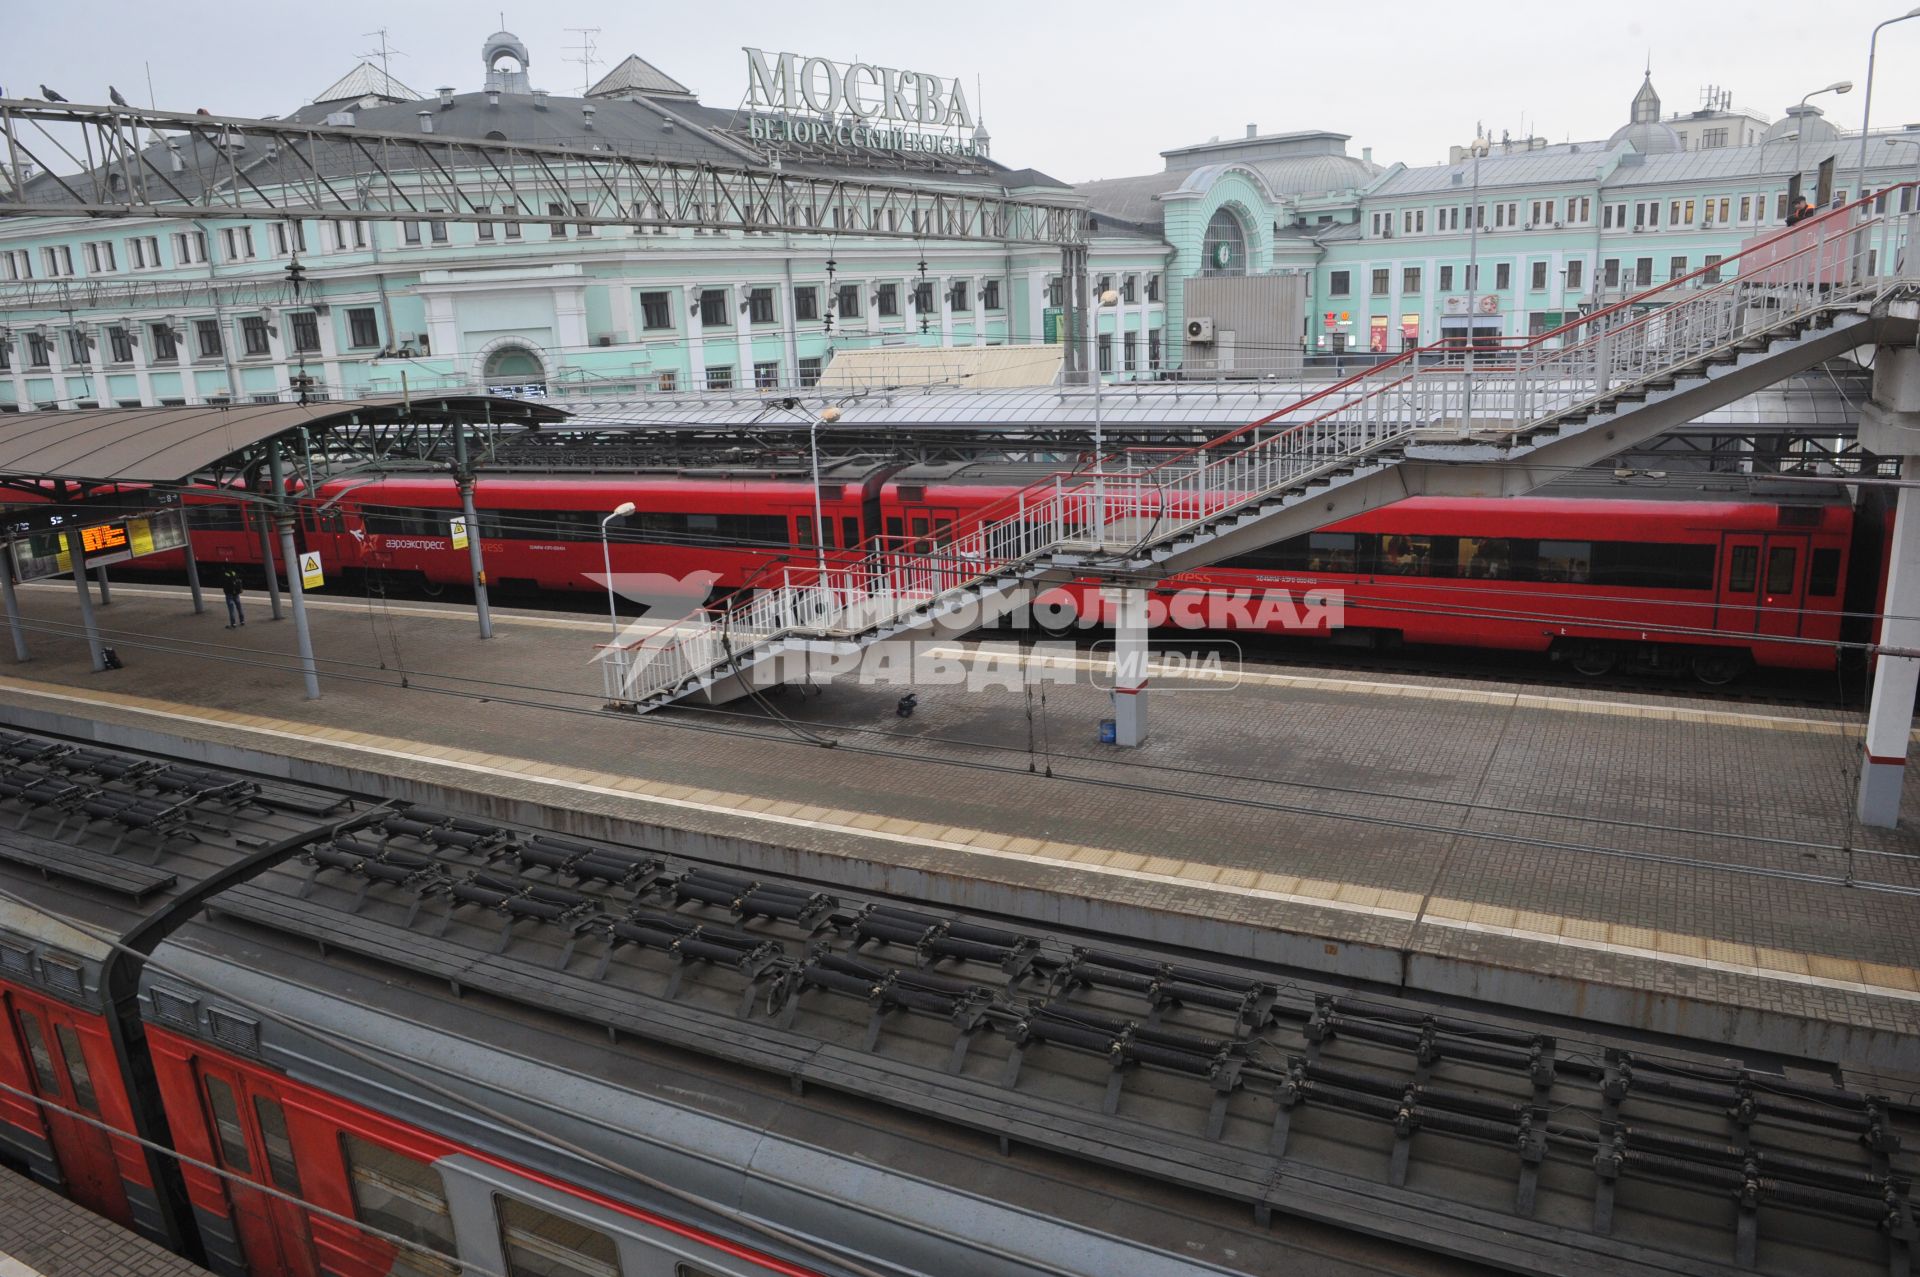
column 1108, row 734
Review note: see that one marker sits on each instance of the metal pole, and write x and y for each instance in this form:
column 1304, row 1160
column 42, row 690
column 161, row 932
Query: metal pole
column 302, row 637
column 77, row 556
column 819, row 524
column 193, row 569
column 1866, row 105
column 20, row 652
column 606, row 561
column 266, row 560
column 463, row 475
column 100, row 576
column 1099, row 438
column 1473, row 287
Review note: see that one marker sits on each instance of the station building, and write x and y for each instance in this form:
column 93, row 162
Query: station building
column 1241, row 258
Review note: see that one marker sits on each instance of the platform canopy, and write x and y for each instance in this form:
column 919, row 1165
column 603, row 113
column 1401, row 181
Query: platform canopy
column 170, row 445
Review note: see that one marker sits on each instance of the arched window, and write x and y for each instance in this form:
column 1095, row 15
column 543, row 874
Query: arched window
column 515, row 369
column 1224, row 251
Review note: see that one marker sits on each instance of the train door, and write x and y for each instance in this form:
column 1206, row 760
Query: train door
column 250, row 1139
column 62, row 1076
column 1762, row 584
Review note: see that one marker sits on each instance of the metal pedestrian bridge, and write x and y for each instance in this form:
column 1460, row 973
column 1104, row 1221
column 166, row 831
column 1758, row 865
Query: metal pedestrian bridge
column 1498, row 419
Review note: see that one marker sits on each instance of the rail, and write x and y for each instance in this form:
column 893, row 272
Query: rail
column 1137, row 498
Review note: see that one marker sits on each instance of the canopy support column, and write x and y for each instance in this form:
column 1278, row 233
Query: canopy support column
column 1889, row 422
column 1129, row 665
column 193, row 570
column 20, row 652
column 78, row 556
column 266, row 557
column 463, row 475
column 283, row 518
column 100, row 576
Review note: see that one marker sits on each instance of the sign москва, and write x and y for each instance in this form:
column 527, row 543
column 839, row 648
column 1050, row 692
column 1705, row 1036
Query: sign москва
column 857, row 101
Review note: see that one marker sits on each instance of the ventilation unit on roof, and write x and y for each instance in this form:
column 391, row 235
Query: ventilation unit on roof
column 174, row 1007
column 235, row 1031
column 16, row 958
column 341, row 119
column 61, row 975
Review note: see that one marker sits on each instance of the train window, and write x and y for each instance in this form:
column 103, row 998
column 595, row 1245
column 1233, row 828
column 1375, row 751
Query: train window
column 1647, row 565
column 42, row 1057
column 77, row 1068
column 803, row 530
column 540, row 1243
column 1744, row 569
column 1823, row 573
column 223, row 516
column 849, row 532
column 894, row 532
column 1485, row 558
column 1782, row 564
column 1405, row 555
column 226, row 1124
column 688, row 1270
column 273, row 1134
column 399, row 1195
column 1567, row 562
column 942, row 531
column 1332, row 551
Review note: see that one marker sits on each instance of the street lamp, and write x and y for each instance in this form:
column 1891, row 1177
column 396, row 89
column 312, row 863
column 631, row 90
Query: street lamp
column 1838, row 86
column 1915, row 144
column 1105, row 299
column 620, row 511
column 1866, row 106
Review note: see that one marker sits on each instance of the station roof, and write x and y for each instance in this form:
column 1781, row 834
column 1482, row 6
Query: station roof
column 166, row 445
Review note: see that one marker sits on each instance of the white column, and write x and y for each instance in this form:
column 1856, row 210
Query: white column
column 1129, row 665
column 1895, row 678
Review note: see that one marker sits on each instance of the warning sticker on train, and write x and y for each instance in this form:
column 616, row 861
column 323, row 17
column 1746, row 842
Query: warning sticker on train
column 311, row 577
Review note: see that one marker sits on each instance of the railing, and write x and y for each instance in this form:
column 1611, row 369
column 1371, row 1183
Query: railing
column 1141, row 497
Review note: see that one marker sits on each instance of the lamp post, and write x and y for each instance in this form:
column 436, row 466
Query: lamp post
column 620, row 511
column 1839, row 87
column 1473, row 283
column 1108, row 298
column 1915, row 144
column 1866, row 105
column 825, row 417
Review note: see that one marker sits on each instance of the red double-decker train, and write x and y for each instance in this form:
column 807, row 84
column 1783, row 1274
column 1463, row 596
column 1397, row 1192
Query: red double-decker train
column 1710, row 586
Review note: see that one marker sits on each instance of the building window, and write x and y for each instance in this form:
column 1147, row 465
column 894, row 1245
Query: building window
column 655, row 311
column 437, row 229
column 1153, row 288
column 1127, row 286
column 848, row 301
column 810, row 371
column 1224, row 249
column 1410, row 279
column 1611, row 276
column 189, row 248
column 77, row 347
column 1676, row 268
column 143, row 252
column 1381, row 276
column 923, row 297
column 362, row 330
column 206, row 337
column 584, row 228
column 58, row 259
column 1413, row 221
column 990, row 295
column 1104, row 343
column 306, row 331
column 511, row 228
column 1713, row 268
column 1339, row 283
column 119, row 345
column 166, row 349
column 399, row 1195
column 760, row 306
column 253, row 331
column 1446, row 279
column 1153, row 350
column 1574, row 274
column 289, row 238
column 39, row 351
column 1502, row 276
column 713, row 307
column 668, row 382
column 1643, row 271
column 6, row 354
column 410, row 233
column 806, row 303
column 887, row 304
column 766, row 376
column 1539, row 275
column 1580, row 211
column 1056, row 291
column 557, row 229
column 483, row 230
column 1129, row 342
column 960, row 299
column 100, row 259
column 347, row 235
column 236, row 242
column 1646, row 215
column 720, row 377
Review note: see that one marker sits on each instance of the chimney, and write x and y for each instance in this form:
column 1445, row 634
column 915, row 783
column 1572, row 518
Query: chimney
column 539, row 99
column 1366, row 154
column 1253, row 130
column 587, row 113
column 426, row 121
column 446, row 96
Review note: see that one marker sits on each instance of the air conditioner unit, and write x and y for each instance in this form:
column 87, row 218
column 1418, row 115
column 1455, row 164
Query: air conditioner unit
column 1387, row 233
column 1199, row 330
column 1558, row 225
column 603, row 341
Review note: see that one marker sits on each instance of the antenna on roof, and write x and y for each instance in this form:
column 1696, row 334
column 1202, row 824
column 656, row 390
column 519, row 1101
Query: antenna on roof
column 586, row 58
column 383, row 52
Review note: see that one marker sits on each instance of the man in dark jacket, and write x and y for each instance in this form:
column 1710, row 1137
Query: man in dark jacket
column 230, row 586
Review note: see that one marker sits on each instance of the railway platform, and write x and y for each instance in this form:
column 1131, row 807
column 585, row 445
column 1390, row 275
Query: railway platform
column 1660, row 864
column 43, row 1234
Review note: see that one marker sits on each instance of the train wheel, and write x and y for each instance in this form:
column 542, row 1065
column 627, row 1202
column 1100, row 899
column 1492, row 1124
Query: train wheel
column 1593, row 660
column 1717, row 669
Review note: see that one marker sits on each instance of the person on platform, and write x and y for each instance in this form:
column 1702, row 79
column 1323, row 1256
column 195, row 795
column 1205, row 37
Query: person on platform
column 230, row 586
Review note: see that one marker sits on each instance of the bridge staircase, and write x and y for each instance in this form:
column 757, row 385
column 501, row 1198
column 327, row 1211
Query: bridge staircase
column 1499, row 418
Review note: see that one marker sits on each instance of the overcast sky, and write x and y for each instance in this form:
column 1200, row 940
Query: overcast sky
column 1076, row 90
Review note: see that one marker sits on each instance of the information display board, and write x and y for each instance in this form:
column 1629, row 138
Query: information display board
column 46, row 552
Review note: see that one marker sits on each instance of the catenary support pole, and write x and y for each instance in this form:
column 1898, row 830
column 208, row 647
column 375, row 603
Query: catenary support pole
column 193, row 572
column 265, row 515
column 100, row 577
column 463, row 475
column 1129, row 665
column 20, row 652
column 283, row 518
column 1895, row 678
column 78, row 558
